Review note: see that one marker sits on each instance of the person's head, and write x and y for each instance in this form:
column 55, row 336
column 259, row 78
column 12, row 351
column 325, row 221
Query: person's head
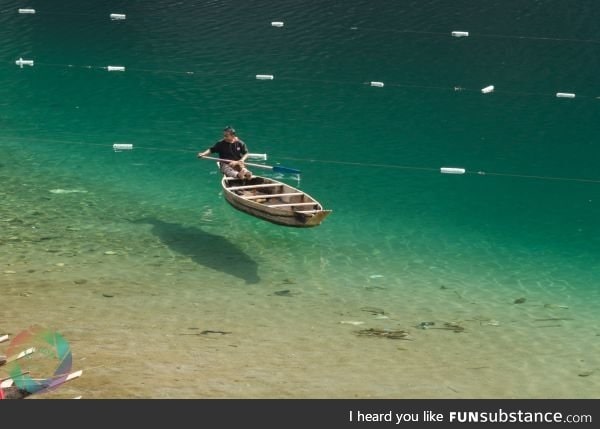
column 229, row 133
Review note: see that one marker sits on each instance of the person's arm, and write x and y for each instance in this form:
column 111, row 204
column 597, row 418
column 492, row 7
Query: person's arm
column 245, row 155
column 203, row 154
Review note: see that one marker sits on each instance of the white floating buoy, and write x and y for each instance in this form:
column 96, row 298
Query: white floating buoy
column 117, row 16
column 460, row 34
column 115, row 68
column 30, row 11
column 264, row 76
column 565, row 95
column 277, row 24
column 122, row 146
column 377, row 84
column 452, row 170
column 21, row 62
column 488, row 89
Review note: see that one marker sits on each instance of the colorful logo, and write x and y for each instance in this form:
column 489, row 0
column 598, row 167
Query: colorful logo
column 43, row 352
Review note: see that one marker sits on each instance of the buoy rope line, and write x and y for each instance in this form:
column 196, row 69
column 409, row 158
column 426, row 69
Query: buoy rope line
column 123, row 17
column 204, row 73
column 541, row 38
column 332, row 162
column 463, row 171
column 30, row 11
column 474, row 35
column 142, row 70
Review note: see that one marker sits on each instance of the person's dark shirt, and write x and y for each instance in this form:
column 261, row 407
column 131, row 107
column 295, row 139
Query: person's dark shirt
column 226, row 150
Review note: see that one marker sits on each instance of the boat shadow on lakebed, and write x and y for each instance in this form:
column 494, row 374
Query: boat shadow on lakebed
column 204, row 248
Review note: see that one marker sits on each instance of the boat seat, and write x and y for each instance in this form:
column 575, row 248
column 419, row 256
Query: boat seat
column 292, row 204
column 262, row 185
column 288, row 194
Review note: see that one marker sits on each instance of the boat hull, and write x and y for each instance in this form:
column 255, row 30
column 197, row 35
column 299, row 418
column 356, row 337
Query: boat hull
column 273, row 201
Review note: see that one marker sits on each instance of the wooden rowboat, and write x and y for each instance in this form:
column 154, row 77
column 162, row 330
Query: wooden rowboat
column 273, row 201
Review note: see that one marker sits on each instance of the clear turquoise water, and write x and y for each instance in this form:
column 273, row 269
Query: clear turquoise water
column 372, row 155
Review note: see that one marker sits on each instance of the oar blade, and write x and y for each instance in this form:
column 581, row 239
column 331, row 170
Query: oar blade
column 276, row 168
column 281, row 169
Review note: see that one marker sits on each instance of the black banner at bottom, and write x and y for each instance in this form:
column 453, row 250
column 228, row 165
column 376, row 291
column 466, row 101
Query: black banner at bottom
column 302, row 413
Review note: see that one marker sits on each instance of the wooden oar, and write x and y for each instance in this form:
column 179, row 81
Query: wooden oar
column 20, row 355
column 276, row 168
column 8, row 381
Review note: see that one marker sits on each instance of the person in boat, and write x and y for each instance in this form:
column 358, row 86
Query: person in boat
column 231, row 147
